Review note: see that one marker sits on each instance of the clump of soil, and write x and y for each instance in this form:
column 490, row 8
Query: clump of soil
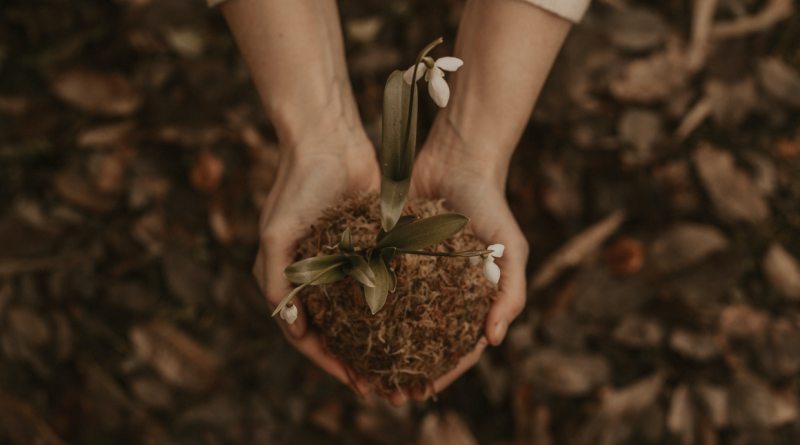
column 435, row 316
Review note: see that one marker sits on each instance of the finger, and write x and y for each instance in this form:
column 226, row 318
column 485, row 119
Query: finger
column 399, row 396
column 511, row 299
column 279, row 254
column 464, row 364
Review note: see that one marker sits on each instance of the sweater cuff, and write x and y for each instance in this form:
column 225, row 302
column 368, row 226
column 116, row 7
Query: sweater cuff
column 572, row 10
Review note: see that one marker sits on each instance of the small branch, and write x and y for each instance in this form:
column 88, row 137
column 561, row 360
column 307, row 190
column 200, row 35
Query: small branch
column 772, row 13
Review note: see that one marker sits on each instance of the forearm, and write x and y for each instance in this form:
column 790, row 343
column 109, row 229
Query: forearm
column 508, row 48
column 295, row 55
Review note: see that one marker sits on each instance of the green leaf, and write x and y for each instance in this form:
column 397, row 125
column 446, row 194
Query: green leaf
column 398, row 146
column 304, row 270
column 360, row 270
column 293, row 292
column 425, row 232
column 392, row 280
column 393, row 199
column 376, row 296
column 388, row 253
column 346, row 241
column 403, row 221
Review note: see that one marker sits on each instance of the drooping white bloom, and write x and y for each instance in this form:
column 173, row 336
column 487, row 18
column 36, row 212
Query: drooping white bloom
column 289, row 313
column 437, row 87
column 490, row 269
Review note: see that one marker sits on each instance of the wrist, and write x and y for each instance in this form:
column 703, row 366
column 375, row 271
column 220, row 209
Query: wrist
column 461, row 155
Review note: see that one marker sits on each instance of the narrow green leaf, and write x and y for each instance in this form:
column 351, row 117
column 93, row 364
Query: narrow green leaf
column 425, row 232
column 360, row 270
column 294, row 291
column 376, row 296
column 304, row 270
column 346, row 241
column 388, row 253
column 398, row 146
column 403, row 221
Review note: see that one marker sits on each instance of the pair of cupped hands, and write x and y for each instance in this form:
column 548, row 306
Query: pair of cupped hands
column 324, row 167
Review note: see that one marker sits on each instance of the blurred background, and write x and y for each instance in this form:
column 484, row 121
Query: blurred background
column 658, row 184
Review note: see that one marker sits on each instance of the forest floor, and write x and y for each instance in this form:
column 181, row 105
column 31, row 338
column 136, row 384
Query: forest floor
column 658, row 183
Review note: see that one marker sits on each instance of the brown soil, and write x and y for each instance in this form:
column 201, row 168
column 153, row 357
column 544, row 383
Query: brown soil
column 435, row 316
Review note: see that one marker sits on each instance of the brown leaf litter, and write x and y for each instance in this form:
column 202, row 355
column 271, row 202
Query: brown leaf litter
column 435, row 316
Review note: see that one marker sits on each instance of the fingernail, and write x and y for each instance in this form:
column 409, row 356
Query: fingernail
column 499, row 332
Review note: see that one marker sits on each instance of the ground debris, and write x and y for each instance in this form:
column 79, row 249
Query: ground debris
column 178, row 358
column 731, row 191
column 657, row 184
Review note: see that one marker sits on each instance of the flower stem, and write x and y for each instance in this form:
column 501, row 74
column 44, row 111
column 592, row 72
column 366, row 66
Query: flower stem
column 422, row 54
column 466, row 253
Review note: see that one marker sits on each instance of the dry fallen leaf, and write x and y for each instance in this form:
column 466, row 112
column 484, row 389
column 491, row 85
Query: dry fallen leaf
column 731, row 190
column 681, row 416
column 731, row 103
column 631, row 399
column 685, row 244
column 177, row 357
column 636, row 29
column 653, row 79
column 566, row 374
column 782, row 271
column 576, row 250
column 77, row 190
column 780, row 80
column 445, row 430
column 638, row 332
column 106, row 135
column 95, row 92
column 701, row 347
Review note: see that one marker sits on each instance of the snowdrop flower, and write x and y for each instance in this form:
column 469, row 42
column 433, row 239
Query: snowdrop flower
column 490, row 270
column 289, row 312
column 434, row 75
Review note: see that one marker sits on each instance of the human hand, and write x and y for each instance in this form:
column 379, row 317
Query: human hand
column 473, row 188
column 312, row 175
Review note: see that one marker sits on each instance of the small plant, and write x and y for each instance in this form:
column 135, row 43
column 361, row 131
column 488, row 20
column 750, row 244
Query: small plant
column 399, row 235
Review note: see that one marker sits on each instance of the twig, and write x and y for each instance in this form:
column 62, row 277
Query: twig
column 693, row 118
column 702, row 23
column 772, row 13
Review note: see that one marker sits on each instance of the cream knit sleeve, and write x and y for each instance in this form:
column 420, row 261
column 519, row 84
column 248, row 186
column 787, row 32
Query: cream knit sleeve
column 571, row 10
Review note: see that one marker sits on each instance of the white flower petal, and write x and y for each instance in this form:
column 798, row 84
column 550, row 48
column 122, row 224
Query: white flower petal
column 498, row 250
column 289, row 314
column 491, row 271
column 438, row 88
column 421, row 68
column 448, row 63
column 475, row 260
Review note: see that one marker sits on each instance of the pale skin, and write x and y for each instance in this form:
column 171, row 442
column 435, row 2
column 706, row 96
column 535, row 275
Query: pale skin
column 295, row 54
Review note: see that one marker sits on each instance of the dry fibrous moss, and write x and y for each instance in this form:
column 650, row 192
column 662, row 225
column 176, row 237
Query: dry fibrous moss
column 435, row 316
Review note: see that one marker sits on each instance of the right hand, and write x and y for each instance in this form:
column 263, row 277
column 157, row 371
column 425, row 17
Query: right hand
column 314, row 174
